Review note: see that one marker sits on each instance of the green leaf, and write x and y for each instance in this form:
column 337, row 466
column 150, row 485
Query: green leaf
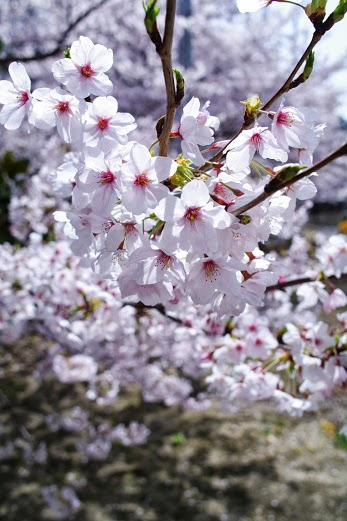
column 151, row 13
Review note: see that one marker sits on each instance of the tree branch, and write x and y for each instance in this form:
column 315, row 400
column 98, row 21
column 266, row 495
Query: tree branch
column 302, row 280
column 165, row 53
column 268, row 191
column 59, row 47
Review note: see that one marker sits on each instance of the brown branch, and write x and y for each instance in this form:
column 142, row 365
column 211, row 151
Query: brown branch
column 165, row 53
column 270, row 191
column 59, row 47
column 304, row 280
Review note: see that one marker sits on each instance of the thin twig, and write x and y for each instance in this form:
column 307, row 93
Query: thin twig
column 268, row 192
column 59, row 47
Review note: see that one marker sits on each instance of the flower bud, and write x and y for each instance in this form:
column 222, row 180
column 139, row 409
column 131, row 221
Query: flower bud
column 316, row 11
column 184, row 172
column 252, row 105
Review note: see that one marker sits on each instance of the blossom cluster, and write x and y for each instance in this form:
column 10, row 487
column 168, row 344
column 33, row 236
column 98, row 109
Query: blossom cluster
column 163, row 232
column 162, row 229
column 286, row 352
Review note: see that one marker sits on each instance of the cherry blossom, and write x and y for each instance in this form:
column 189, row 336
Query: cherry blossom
column 84, row 72
column 58, row 108
column 193, row 220
column 15, row 97
column 140, row 180
column 100, row 176
column 105, row 126
column 196, row 128
column 257, row 140
column 294, row 127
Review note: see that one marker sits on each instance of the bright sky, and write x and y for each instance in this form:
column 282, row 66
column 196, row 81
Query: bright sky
column 332, row 46
column 336, row 44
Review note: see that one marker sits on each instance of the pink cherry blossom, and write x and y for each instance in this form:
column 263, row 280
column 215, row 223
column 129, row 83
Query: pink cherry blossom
column 213, row 275
column 193, row 220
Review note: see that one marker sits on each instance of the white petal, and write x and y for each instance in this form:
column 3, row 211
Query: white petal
column 19, row 76
column 195, row 194
column 105, row 106
column 101, row 58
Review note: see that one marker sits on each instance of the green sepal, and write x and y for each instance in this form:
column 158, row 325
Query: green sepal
column 308, row 66
column 184, row 172
column 67, row 53
column 340, row 11
column 179, row 85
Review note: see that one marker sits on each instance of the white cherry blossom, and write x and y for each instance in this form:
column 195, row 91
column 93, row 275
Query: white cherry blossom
column 15, row 97
column 196, row 128
column 140, row 180
column 101, row 178
column 256, row 140
column 294, row 127
column 84, row 72
column 104, row 126
column 58, row 108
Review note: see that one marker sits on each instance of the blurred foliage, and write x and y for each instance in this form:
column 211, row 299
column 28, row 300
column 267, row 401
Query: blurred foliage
column 10, row 170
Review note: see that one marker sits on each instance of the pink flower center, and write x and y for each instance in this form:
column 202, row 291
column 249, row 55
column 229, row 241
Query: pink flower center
column 211, row 269
column 142, row 180
column 284, row 118
column 106, row 178
column 129, row 228
column 87, row 71
column 192, row 214
column 163, row 260
column 220, row 189
column 106, row 226
column 23, row 97
column 256, row 139
column 63, row 107
column 103, row 123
